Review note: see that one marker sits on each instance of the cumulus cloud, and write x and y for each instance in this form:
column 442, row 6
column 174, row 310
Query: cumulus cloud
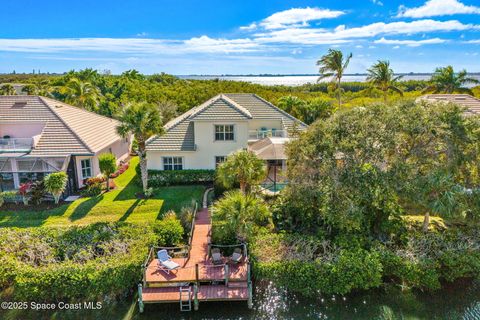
column 433, row 8
column 341, row 34
column 410, row 43
column 298, row 17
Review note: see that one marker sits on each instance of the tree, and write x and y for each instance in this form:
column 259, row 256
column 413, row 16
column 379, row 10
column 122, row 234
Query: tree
column 143, row 121
column 382, row 77
column 242, row 167
column 446, row 80
column 291, row 104
column 55, row 183
column 108, row 164
column 30, row 89
column 314, row 109
column 81, row 94
column 358, row 170
column 334, row 65
column 236, row 215
column 7, row 90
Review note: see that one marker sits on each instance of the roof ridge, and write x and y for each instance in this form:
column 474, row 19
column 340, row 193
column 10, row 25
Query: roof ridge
column 65, row 124
column 223, row 97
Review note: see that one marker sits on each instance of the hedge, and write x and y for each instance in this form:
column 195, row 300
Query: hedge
column 160, row 178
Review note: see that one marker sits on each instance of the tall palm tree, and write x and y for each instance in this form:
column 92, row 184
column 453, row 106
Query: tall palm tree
column 382, row 77
column 446, row 80
column 334, row 65
column 81, row 94
column 143, row 121
column 242, row 167
column 7, row 90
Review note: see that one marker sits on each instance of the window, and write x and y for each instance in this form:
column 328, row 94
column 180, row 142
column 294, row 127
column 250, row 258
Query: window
column 219, row 160
column 224, row 132
column 86, row 165
column 6, row 182
column 31, row 176
column 172, row 163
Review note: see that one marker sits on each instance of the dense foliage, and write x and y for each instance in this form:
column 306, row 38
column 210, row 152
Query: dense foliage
column 49, row 264
column 158, row 178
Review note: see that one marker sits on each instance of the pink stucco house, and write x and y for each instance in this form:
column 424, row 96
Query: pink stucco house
column 39, row 135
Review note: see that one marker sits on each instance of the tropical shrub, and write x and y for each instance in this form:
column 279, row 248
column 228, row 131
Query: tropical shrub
column 169, row 230
column 37, row 192
column 55, row 183
column 237, row 216
column 10, row 196
column 24, row 191
column 159, row 178
column 108, row 165
column 100, row 261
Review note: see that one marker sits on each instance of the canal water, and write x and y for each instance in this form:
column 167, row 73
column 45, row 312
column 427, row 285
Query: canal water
column 456, row 301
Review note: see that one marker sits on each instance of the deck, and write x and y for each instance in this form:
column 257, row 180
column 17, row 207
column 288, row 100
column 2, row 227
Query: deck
column 197, row 279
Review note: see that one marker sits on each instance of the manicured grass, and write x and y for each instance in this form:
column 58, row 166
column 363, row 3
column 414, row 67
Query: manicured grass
column 120, row 204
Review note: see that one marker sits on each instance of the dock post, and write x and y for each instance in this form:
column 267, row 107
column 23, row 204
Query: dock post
column 249, row 287
column 195, row 297
column 226, row 269
column 140, row 301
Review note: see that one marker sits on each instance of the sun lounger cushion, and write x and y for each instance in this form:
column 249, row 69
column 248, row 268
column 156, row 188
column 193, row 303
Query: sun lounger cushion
column 166, row 261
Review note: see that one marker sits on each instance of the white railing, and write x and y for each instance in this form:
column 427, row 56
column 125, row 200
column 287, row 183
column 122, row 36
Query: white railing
column 260, row 134
column 16, row 144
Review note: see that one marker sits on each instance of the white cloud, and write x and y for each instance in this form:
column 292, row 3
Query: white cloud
column 341, row 34
column 396, row 47
column 251, row 26
column 433, row 8
column 377, row 2
column 410, row 43
column 473, row 41
column 130, row 45
column 298, row 17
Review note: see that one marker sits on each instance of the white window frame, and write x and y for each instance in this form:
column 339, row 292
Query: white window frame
column 217, row 163
column 174, row 161
column 89, row 168
column 224, row 132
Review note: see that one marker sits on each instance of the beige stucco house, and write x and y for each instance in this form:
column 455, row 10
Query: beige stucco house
column 39, row 135
column 202, row 137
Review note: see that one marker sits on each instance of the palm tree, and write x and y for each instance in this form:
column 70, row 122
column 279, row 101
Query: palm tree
column 446, row 80
column 143, row 121
column 81, row 94
column 382, row 77
column 7, row 90
column 30, row 89
column 242, row 167
column 333, row 65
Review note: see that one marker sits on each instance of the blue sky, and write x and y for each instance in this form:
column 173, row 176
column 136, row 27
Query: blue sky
column 236, row 37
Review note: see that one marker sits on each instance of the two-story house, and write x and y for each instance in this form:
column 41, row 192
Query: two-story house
column 40, row 135
column 202, row 137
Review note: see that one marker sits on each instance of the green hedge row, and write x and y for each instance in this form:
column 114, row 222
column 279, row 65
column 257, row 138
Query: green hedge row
column 96, row 262
column 160, row 178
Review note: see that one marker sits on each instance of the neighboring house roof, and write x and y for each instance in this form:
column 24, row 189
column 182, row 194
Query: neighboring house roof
column 68, row 130
column 465, row 100
column 271, row 148
column 180, row 134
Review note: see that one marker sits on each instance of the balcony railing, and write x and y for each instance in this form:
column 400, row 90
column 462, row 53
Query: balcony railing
column 16, row 144
column 261, row 134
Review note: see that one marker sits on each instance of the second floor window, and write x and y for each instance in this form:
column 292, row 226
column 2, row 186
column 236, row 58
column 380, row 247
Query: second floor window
column 172, row 163
column 224, row 132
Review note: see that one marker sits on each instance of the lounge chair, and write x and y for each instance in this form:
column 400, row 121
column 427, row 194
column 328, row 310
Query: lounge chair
column 236, row 256
column 166, row 262
column 217, row 257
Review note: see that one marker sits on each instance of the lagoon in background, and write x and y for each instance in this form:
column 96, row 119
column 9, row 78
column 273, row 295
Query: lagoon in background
column 297, row 80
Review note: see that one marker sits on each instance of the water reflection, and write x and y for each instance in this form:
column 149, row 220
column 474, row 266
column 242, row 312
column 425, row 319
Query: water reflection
column 458, row 301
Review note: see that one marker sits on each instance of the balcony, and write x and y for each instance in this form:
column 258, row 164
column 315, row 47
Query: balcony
column 261, row 134
column 16, row 144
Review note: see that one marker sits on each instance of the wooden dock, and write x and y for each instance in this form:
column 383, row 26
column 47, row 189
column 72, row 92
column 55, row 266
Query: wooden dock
column 198, row 278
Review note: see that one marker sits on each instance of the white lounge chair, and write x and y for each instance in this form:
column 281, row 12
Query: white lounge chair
column 166, row 263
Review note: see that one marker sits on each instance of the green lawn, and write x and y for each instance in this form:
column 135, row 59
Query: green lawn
column 117, row 205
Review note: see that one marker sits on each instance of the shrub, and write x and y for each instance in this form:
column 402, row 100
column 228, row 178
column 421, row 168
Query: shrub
column 2, row 199
column 10, row 196
column 159, row 178
column 37, row 192
column 55, row 183
column 186, row 217
column 108, row 164
column 92, row 190
column 169, row 230
column 24, row 190
column 94, row 262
